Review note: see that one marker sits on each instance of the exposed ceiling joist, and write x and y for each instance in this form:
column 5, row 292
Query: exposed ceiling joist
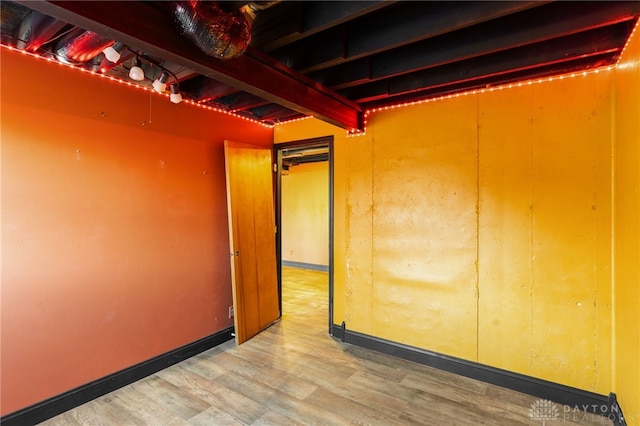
column 204, row 89
column 296, row 20
column 554, row 20
column 421, row 21
column 142, row 27
column 490, row 39
column 600, row 43
column 399, row 25
column 242, row 101
column 273, row 111
column 497, row 79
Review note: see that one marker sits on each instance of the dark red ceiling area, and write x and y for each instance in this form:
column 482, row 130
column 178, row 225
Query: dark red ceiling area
column 336, row 59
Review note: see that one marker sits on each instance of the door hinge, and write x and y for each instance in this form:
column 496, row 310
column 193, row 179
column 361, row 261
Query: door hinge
column 275, row 167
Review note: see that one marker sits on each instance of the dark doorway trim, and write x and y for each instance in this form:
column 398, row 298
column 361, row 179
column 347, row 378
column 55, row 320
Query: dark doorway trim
column 278, row 149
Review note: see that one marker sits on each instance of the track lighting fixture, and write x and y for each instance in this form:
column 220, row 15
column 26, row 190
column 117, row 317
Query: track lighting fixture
column 111, row 54
column 160, row 84
column 175, row 97
column 136, row 73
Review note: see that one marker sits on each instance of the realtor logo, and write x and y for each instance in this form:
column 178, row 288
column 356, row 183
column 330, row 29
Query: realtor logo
column 543, row 410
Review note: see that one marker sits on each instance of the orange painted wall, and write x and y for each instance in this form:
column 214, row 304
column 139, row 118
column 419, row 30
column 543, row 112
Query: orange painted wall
column 626, row 220
column 305, row 214
column 114, row 226
column 480, row 227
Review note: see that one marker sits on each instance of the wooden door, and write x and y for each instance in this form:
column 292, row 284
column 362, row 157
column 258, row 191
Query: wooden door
column 252, row 238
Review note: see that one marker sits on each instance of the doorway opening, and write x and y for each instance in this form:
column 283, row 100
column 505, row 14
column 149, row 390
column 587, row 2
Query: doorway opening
column 304, row 219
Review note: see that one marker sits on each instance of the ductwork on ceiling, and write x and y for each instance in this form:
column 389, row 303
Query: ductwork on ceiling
column 36, row 30
column 25, row 28
column 217, row 32
column 30, row 30
column 11, row 17
column 81, row 46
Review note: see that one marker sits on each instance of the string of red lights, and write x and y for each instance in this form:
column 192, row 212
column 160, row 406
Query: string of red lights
column 134, row 85
column 368, row 112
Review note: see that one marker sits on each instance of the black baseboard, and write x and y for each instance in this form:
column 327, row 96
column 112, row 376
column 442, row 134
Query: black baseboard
column 66, row 401
column 567, row 396
column 303, row 265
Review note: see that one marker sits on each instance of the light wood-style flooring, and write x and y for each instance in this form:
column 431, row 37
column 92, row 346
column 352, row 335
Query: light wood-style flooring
column 295, row 373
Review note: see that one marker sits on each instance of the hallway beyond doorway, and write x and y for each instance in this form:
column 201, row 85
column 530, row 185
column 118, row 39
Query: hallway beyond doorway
column 304, row 295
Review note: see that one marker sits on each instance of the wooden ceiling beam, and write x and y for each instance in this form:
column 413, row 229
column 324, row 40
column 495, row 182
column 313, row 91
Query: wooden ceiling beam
column 142, row 27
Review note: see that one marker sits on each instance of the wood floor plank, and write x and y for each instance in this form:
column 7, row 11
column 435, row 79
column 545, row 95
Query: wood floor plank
column 129, row 407
column 184, row 404
column 280, row 402
column 417, row 370
column 351, row 409
column 271, row 377
column 315, row 362
column 224, row 399
column 214, row 416
column 136, row 408
column 274, row 418
column 203, row 366
column 392, row 389
column 474, row 403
